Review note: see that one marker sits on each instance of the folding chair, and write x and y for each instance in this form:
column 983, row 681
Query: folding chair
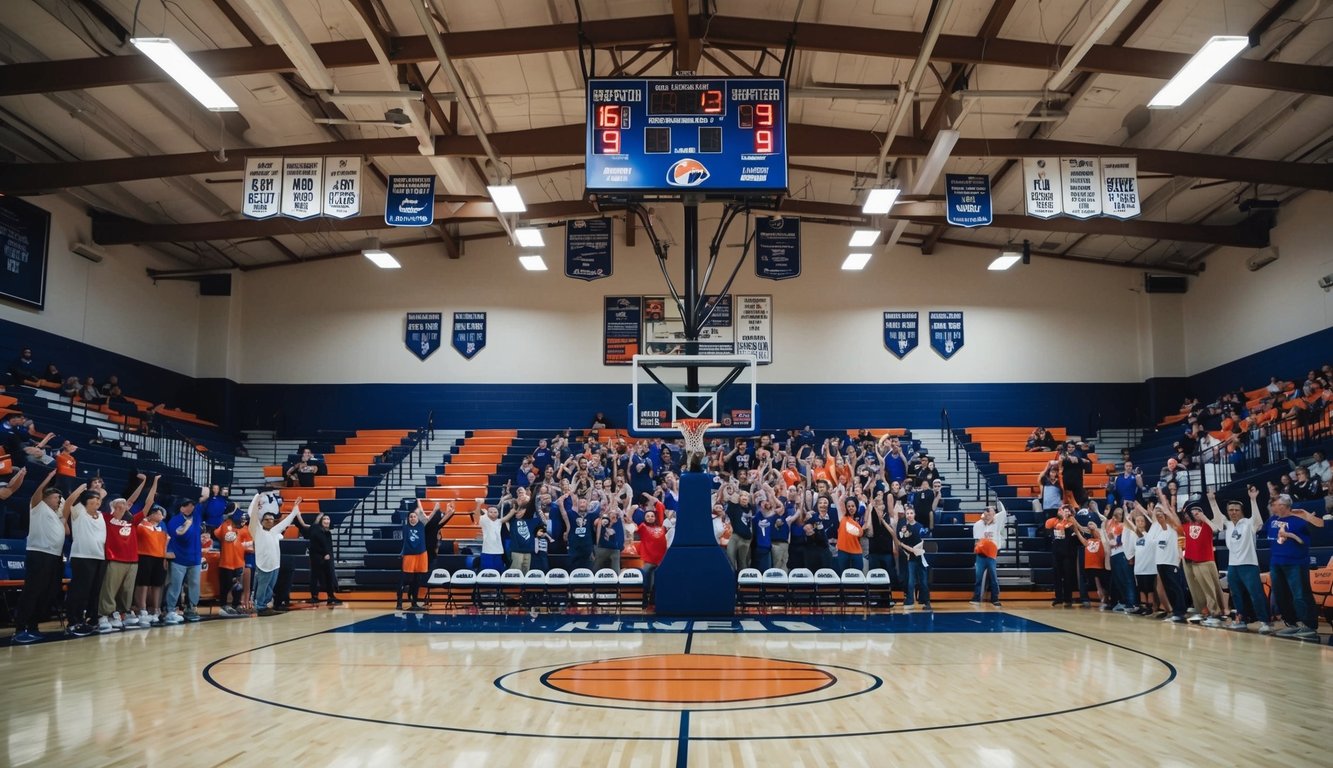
column 534, row 589
column 488, row 589
column 631, row 587
column 879, row 588
column 775, row 588
column 557, row 589
column 511, row 589
column 749, row 589
column 606, row 589
column 855, row 590
column 462, row 589
column 801, row 588
column 581, row 590
column 439, row 579
column 828, row 589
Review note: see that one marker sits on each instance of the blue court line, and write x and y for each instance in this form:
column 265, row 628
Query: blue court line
column 951, row 622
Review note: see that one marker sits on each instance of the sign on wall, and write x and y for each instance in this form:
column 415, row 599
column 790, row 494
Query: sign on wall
column 342, row 187
column 588, row 249
column 622, row 330
column 25, row 232
column 302, row 187
column 1041, row 187
column 422, row 335
column 967, row 200
column 777, row 247
column 946, row 332
column 901, row 333
column 1120, row 187
column 469, row 336
column 263, row 181
column 754, row 328
column 1081, row 180
column 410, row 201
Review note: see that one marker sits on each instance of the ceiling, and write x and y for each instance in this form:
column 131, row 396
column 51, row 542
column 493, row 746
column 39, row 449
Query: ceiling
column 82, row 112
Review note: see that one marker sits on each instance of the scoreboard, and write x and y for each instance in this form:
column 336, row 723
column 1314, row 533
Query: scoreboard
column 683, row 134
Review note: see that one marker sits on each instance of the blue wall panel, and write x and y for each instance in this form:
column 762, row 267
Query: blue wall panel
column 1289, row 360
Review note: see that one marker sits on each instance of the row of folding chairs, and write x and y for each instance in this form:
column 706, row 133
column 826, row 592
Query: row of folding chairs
column 821, row 590
column 556, row 590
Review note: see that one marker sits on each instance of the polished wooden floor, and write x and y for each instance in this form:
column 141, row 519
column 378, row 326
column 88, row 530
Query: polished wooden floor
column 347, row 687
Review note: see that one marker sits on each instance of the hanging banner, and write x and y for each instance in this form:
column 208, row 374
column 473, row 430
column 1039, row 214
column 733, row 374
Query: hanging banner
column 25, row 233
column 588, row 249
column 717, row 335
column 754, row 328
column 422, row 336
column 342, row 187
column 1041, row 187
column 263, row 178
column 946, row 333
column 777, row 247
column 410, row 201
column 901, row 332
column 1081, row 182
column 622, row 330
column 469, row 333
column 1120, row 187
column 302, row 187
column 967, row 200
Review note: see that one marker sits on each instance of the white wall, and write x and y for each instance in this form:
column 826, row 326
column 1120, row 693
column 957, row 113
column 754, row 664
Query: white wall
column 1231, row 312
column 111, row 305
column 342, row 321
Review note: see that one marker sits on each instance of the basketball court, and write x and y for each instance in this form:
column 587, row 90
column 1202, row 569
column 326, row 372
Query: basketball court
column 366, row 687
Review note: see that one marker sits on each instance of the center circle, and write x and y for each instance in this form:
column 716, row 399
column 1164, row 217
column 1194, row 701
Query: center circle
column 696, row 678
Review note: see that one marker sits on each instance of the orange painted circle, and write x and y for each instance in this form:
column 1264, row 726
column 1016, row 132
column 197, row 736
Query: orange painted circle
column 678, row 678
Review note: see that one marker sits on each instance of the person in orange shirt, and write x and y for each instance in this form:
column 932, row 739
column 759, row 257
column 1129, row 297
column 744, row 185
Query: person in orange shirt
column 1064, row 548
column 152, row 573
column 849, row 536
column 231, row 563
column 1094, row 560
column 67, row 468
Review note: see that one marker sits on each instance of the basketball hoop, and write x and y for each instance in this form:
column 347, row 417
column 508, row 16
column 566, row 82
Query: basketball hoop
column 693, row 431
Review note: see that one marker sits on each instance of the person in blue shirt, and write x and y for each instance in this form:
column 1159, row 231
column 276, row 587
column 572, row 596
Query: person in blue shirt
column 1289, row 566
column 214, row 507
column 579, row 533
column 523, row 530
column 1128, row 485
column 763, row 536
column 542, row 458
column 610, row 536
column 911, row 536
column 185, row 552
column 414, row 556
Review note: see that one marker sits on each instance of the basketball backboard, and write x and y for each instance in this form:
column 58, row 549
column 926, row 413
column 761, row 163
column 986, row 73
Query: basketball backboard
column 726, row 394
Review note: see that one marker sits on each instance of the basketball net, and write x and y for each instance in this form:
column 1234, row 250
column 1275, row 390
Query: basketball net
column 693, row 431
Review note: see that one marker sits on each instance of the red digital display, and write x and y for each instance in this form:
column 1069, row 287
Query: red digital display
column 608, row 142
column 763, row 141
column 608, row 116
column 763, row 115
column 710, row 102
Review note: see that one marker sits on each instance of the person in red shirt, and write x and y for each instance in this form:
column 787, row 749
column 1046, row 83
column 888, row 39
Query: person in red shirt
column 1201, row 569
column 652, row 548
column 122, row 564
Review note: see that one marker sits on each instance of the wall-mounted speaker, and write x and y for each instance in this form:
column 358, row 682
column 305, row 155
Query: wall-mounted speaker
column 1165, row 283
column 215, row 285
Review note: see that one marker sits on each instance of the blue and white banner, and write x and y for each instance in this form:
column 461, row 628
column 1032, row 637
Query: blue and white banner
column 588, row 249
column 422, row 336
column 410, row 201
column 901, row 332
column 622, row 331
column 777, row 247
column 967, row 200
column 469, row 333
column 946, row 332
column 25, row 233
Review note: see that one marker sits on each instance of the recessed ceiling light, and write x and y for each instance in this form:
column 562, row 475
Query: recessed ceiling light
column 532, row 262
column 529, row 237
column 855, row 261
column 507, row 199
column 167, row 55
column 1005, row 261
column 382, row 259
column 864, row 238
column 880, row 201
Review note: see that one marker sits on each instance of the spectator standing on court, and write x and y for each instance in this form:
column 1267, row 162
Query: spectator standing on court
column 1064, row 548
column 492, row 546
column 231, row 537
column 988, row 540
column 1144, row 559
column 267, row 532
column 910, row 536
column 652, row 548
column 1289, row 565
column 1239, row 532
column 740, row 514
column 87, row 560
column 1201, row 567
column 185, row 553
column 45, row 562
column 522, row 529
column 610, row 538
column 116, row 598
column 1122, row 568
column 1094, row 560
column 323, row 574
column 1164, row 538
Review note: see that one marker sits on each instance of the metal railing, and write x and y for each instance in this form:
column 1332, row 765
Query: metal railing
column 955, row 451
column 1261, row 446
column 378, row 498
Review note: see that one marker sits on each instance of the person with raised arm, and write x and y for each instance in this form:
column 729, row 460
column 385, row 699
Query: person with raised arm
column 1240, row 532
column 323, row 571
column 1094, row 559
column 87, row 560
column 116, row 598
column 45, row 561
column 492, row 545
column 988, row 540
column 879, row 531
column 1164, row 538
column 1289, row 565
column 609, row 534
column 267, row 532
column 1201, row 575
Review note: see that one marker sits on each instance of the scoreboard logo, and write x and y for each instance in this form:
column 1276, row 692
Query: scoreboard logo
column 687, row 172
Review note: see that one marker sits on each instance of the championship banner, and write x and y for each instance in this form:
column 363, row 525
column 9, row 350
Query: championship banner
column 1120, row 187
column 25, row 232
column 967, row 200
column 588, row 249
column 946, row 333
column 410, row 201
column 777, row 247
column 422, row 336
column 469, row 336
column 342, row 187
column 754, row 330
column 263, row 178
column 901, row 332
column 622, row 329
column 302, row 187
column 1081, row 179
column 1042, row 196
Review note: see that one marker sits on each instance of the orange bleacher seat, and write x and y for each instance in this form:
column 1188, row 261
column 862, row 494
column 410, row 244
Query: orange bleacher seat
column 334, row 481
column 7, row 401
column 881, row 432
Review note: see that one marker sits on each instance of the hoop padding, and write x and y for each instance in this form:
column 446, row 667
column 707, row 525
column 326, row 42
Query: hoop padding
column 693, row 431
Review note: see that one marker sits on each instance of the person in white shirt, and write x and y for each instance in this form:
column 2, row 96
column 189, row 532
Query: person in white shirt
column 492, row 545
column 1144, row 557
column 267, row 532
column 1320, row 468
column 87, row 560
column 45, row 562
column 988, row 538
column 1164, row 538
column 1247, row 592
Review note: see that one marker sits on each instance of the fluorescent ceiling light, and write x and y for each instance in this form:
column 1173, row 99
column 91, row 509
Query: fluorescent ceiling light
column 864, row 238
column 185, row 72
column 382, row 259
column 532, row 262
column 880, row 201
column 855, row 261
column 529, row 237
column 507, row 199
column 1214, row 55
column 1005, row 260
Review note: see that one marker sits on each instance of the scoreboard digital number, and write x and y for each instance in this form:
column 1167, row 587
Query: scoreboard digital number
column 687, row 134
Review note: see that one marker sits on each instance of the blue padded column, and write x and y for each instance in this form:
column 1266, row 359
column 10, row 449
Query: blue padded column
column 695, row 578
